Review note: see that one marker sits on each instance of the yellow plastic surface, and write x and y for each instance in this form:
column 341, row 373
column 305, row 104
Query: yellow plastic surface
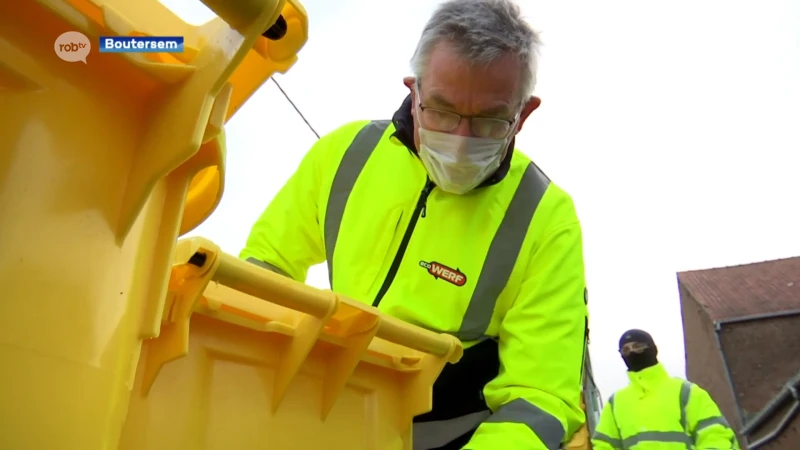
column 581, row 439
column 98, row 162
column 248, row 359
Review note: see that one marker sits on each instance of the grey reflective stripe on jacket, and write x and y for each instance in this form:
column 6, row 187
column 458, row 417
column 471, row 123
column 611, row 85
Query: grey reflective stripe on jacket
column 503, row 253
column 438, row 433
column 353, row 161
column 675, row 437
column 435, row 434
column 546, row 427
column 268, row 266
column 497, row 268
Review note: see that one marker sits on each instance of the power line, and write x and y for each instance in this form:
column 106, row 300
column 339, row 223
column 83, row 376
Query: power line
column 295, row 107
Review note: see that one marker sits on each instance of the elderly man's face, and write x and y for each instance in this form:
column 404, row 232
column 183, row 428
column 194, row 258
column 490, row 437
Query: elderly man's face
column 452, row 84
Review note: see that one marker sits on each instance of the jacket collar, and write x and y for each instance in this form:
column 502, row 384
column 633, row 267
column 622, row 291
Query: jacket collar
column 404, row 132
column 649, row 378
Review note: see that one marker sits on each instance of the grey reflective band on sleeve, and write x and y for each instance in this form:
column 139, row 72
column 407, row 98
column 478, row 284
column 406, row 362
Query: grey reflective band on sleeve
column 705, row 423
column 435, row 434
column 268, row 266
column 686, row 391
column 615, row 443
column 503, row 253
column 543, row 424
column 353, row 161
column 438, row 433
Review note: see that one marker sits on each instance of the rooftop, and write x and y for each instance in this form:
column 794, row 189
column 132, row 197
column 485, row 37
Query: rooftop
column 746, row 290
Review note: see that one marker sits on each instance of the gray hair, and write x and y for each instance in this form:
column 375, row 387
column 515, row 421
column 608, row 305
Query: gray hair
column 481, row 31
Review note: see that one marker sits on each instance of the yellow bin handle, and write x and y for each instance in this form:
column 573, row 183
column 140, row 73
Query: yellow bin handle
column 275, row 51
column 206, row 188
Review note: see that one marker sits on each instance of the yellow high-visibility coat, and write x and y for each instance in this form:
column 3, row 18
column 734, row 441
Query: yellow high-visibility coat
column 657, row 411
column 500, row 267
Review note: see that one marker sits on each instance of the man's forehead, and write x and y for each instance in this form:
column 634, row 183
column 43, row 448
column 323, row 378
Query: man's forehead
column 451, row 81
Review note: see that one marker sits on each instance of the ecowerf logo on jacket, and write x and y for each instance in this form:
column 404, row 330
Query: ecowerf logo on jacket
column 443, row 272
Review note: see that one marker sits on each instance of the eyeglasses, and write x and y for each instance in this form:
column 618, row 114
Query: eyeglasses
column 447, row 121
column 633, row 347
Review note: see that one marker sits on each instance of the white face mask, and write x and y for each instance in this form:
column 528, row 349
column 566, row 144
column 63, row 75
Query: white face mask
column 458, row 164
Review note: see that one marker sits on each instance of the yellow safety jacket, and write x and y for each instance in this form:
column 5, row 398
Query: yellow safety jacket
column 657, row 411
column 500, row 267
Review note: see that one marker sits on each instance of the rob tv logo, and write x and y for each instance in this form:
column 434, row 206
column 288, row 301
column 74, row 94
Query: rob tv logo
column 73, row 46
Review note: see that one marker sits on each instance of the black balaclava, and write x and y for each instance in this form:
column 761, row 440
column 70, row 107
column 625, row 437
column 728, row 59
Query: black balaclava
column 646, row 358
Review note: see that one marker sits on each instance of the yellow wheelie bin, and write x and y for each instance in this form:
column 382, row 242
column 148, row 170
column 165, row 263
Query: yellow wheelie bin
column 248, row 359
column 103, row 164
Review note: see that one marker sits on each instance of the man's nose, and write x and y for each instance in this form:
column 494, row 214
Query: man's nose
column 464, row 128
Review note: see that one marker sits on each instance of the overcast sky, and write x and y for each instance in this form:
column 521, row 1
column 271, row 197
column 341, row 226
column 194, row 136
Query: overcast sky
column 674, row 125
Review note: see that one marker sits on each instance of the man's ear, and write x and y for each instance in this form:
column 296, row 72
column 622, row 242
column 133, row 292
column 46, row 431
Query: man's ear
column 529, row 107
column 411, row 84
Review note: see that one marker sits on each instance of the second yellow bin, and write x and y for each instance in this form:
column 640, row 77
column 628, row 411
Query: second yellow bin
column 102, row 165
column 248, row 359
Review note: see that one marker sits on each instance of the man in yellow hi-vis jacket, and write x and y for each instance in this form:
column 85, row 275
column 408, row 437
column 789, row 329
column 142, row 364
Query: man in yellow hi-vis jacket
column 657, row 411
column 436, row 219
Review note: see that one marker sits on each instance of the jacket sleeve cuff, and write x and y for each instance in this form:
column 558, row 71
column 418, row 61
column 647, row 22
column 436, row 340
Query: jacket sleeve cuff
column 519, row 424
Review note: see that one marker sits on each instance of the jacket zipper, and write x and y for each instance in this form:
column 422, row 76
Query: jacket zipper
column 585, row 348
column 419, row 211
column 585, row 336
